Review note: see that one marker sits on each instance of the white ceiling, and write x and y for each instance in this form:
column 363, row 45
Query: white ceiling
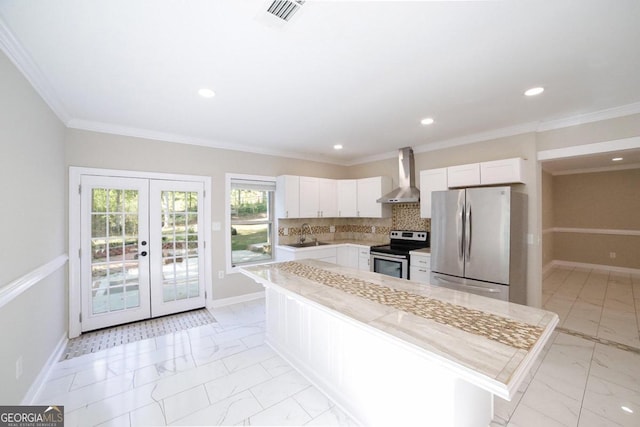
column 358, row 73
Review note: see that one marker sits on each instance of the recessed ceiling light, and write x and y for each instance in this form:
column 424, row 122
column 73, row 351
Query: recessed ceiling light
column 337, row 147
column 426, row 121
column 627, row 409
column 206, row 93
column 534, row 91
column 616, row 159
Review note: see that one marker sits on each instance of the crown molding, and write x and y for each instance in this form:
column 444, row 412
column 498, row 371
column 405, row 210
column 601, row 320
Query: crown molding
column 189, row 140
column 532, row 127
column 30, row 70
column 596, row 116
column 453, row 142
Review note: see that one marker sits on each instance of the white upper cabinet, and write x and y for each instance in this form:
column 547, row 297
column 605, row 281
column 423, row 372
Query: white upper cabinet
column 431, row 180
column 502, row 171
column 318, row 197
column 463, row 175
column 507, row 171
column 347, row 198
column 309, row 197
column 288, row 196
column 370, row 190
column 328, row 197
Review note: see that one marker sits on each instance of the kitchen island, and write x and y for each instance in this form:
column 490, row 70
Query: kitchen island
column 391, row 351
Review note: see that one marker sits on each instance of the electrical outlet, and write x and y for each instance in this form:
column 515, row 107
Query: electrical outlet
column 285, row 231
column 221, row 274
column 18, row 367
column 332, row 229
column 612, row 255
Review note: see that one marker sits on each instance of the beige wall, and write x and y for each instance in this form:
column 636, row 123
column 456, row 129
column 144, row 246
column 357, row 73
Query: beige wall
column 547, row 218
column 603, row 200
column 100, row 150
column 33, row 230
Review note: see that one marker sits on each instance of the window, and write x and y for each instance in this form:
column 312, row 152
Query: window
column 251, row 220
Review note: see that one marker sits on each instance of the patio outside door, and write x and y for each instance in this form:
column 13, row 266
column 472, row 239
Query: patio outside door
column 140, row 246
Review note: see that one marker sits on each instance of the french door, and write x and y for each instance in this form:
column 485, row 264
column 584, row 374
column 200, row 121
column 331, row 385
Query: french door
column 141, row 249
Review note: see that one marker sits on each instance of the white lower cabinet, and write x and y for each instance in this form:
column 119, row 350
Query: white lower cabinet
column 420, row 267
column 347, row 256
column 364, row 258
column 321, row 253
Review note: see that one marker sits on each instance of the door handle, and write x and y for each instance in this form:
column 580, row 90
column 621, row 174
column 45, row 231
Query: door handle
column 461, row 234
column 143, row 253
column 468, row 233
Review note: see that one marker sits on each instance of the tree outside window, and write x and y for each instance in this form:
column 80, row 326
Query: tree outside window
column 251, row 214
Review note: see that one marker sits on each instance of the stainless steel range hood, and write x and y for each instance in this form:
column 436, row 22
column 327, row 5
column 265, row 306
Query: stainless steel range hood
column 406, row 191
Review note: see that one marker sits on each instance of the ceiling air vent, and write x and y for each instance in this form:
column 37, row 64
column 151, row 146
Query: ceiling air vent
column 285, row 9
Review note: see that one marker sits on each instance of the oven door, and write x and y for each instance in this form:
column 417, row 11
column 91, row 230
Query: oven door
column 391, row 265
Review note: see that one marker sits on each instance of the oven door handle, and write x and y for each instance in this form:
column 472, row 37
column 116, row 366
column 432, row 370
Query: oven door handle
column 381, row 255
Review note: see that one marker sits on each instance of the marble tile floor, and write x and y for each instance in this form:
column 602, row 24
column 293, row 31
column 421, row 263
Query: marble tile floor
column 598, row 303
column 589, row 375
column 216, row 374
column 223, row 374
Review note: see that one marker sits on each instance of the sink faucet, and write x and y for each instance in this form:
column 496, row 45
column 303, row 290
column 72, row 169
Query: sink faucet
column 303, row 235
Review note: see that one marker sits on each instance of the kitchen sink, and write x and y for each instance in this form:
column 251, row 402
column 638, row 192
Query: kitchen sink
column 307, row 244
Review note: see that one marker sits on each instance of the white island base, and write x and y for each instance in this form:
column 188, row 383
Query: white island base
column 374, row 377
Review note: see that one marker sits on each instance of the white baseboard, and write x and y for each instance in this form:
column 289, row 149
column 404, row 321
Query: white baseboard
column 559, row 263
column 236, row 300
column 36, row 385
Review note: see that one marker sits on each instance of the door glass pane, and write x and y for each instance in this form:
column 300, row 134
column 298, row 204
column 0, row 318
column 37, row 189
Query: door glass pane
column 114, row 250
column 179, row 245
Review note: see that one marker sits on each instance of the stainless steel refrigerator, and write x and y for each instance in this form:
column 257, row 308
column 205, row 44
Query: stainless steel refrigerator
column 478, row 242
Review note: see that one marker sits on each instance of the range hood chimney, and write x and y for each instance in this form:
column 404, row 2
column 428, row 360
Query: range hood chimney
column 406, row 191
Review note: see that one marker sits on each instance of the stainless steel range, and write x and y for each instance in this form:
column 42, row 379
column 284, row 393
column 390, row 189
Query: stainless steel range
column 393, row 259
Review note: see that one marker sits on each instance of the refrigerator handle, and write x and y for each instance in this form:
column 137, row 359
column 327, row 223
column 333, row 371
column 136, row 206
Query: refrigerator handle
column 460, row 228
column 468, row 232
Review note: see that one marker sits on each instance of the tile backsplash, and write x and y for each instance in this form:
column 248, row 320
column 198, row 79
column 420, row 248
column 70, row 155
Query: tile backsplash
column 405, row 216
column 328, row 229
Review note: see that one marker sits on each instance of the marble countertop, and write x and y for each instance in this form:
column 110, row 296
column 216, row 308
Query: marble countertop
column 423, row 251
column 488, row 342
column 367, row 243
